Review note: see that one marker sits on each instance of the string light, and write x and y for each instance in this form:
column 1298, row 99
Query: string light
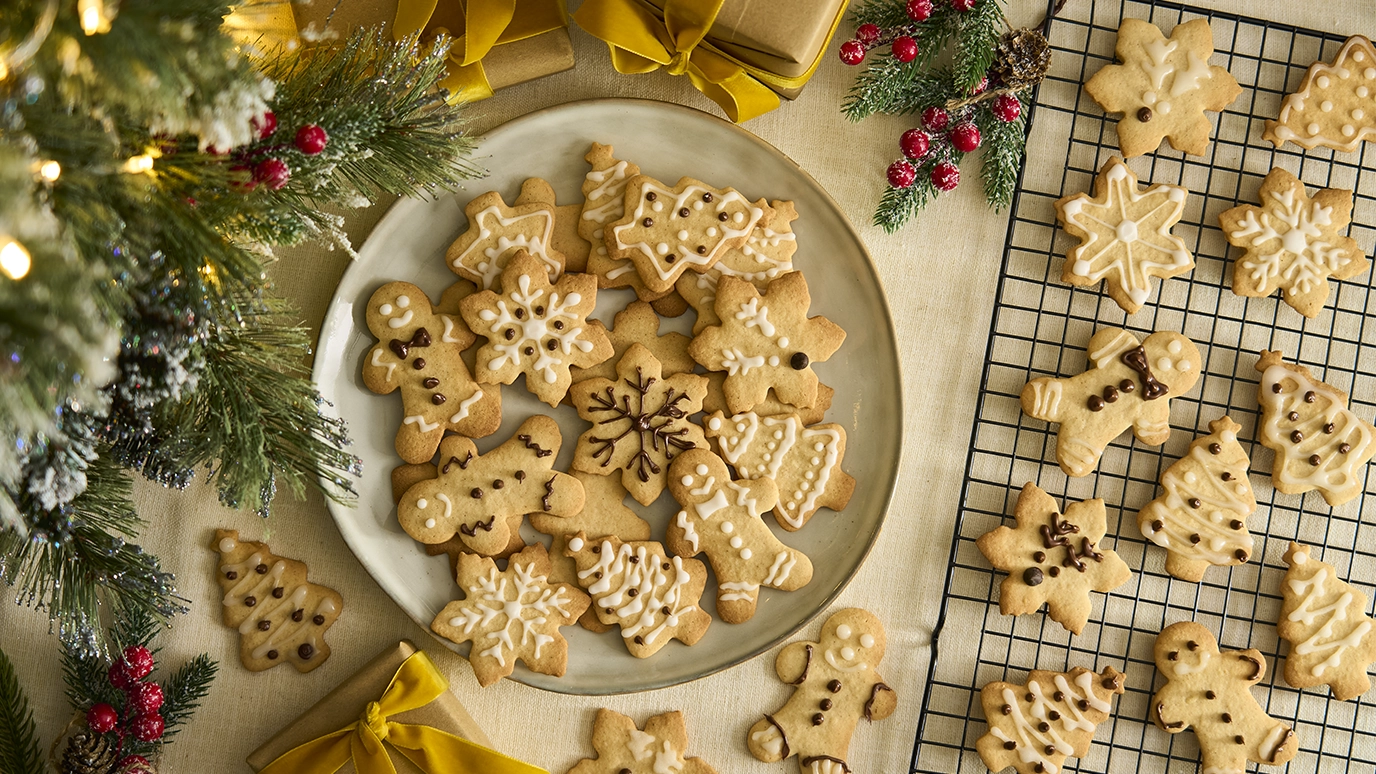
column 140, row 163
column 50, row 170
column 93, row 16
column 14, row 259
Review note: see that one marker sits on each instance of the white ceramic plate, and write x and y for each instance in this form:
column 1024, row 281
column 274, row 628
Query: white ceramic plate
column 667, row 141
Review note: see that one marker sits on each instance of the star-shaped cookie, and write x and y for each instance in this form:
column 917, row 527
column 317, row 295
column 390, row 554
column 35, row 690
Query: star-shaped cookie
column 623, row 748
column 496, row 232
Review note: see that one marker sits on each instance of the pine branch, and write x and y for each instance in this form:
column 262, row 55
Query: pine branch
column 19, row 750
column 977, row 44
column 895, row 90
column 184, row 690
column 898, row 205
column 1004, row 146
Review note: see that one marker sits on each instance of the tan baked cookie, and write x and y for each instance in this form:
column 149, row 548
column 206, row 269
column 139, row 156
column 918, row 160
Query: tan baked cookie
column 670, row 305
column 1332, row 639
column 1210, row 691
column 1035, row 726
column 1201, row 518
column 721, row 518
column 1125, row 235
column 805, row 462
column 475, row 496
column 496, row 233
column 640, row 422
column 420, row 353
column 766, row 341
column 604, row 202
column 536, row 328
column 771, row 405
column 1127, row 384
column 1053, row 559
column 766, row 255
column 1336, row 103
column 1319, row 443
column 1293, row 243
column 281, row 617
column 653, row 597
column 624, row 749
column 522, row 596
column 1163, row 87
column 666, row 231
column 836, row 683
column 638, row 324
column 406, row 476
column 566, row 239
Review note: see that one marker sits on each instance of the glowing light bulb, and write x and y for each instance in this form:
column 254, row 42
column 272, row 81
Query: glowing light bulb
column 93, row 16
column 50, row 170
column 14, row 259
column 140, row 163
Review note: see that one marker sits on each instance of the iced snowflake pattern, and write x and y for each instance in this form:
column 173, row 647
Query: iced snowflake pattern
column 661, row 426
column 527, row 601
column 533, row 322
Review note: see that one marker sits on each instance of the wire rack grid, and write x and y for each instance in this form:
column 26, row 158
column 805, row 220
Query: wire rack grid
column 1041, row 326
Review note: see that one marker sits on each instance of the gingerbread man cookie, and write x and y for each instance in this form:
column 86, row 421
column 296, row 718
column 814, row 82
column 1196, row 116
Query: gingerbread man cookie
column 406, row 476
column 1332, row 639
column 766, row 255
column 536, row 328
column 1034, row 727
column 638, row 324
column 721, row 518
column 624, row 749
column 836, row 684
column 1163, row 87
column 496, row 233
column 1128, row 384
column 1210, row 690
column 1336, row 103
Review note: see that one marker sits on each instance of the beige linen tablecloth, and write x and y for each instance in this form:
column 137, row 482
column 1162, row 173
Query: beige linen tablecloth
column 939, row 274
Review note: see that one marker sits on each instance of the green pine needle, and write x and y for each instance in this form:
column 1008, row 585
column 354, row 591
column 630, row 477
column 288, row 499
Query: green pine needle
column 976, row 43
column 899, row 205
column 19, row 750
column 184, row 690
column 1002, row 158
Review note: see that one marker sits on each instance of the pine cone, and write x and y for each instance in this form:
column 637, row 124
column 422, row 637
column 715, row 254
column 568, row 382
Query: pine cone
column 90, row 753
column 1023, row 58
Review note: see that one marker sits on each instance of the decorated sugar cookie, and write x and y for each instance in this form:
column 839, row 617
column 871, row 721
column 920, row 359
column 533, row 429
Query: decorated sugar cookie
column 604, row 194
column 1035, row 726
column 659, row 749
column 1335, row 106
column 766, row 255
column 638, row 324
column 771, row 405
column 406, row 476
column 497, row 232
column 1332, row 639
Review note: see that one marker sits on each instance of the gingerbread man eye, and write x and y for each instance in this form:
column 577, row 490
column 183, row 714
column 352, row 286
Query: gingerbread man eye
column 403, row 301
column 385, row 309
column 866, row 641
column 843, row 632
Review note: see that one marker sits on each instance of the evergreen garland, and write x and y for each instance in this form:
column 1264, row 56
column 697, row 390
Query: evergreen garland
column 19, row 750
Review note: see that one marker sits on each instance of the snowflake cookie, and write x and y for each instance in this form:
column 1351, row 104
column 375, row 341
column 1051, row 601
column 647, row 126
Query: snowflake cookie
column 1035, row 726
column 1125, row 235
column 522, row 597
column 1210, row 690
column 766, row 340
column 624, row 749
column 653, row 597
column 766, row 255
column 1332, row 639
column 721, row 518
column 536, row 328
column 1201, row 518
column 805, row 462
column 1336, row 104
column 496, row 233
column 1163, row 87
column 1319, row 443
column 1293, row 242
column 640, row 422
column 1128, row 384
column 836, row 684
column 474, row 496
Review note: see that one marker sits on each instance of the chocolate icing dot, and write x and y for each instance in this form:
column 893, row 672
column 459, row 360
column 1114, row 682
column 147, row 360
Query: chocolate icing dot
column 1010, row 745
column 683, row 212
column 476, row 493
column 498, row 484
column 1329, row 428
column 1344, row 448
column 1095, row 403
column 272, row 654
column 834, row 686
column 670, row 258
column 1110, row 394
column 799, row 361
column 1310, row 397
column 1158, row 525
column 1236, row 524
column 558, row 325
column 278, row 592
column 649, row 197
column 1043, row 726
column 529, row 350
column 318, row 620
column 1054, row 571
column 639, row 640
column 510, row 334
column 1314, row 460
column 551, row 345
column 1008, row 709
column 232, row 575
column 1172, row 656
column 1215, row 449
column 261, row 569
column 264, row 625
column 1195, row 538
column 437, row 399
column 818, row 719
column 1039, row 556
column 707, row 197
column 418, row 363
column 1195, row 502
column 306, row 650
column 1239, row 739
column 1126, row 385
column 633, row 592
column 1276, row 388
column 1227, row 476
column 1293, row 416
column 1144, row 115
column 297, row 615
column 431, row 383
column 1296, row 437
column 520, row 475
column 702, row 249
column 825, row 704
column 721, row 216
column 1192, row 645
column 1032, row 577
column 1210, row 695
column 250, row 601
column 647, row 222
column 1241, row 555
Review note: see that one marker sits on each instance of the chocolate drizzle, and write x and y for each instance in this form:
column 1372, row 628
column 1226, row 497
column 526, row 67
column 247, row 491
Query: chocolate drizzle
column 1160, row 718
column 549, row 490
column 1054, row 536
column 1256, row 666
column 1136, row 359
column 807, row 664
column 811, row 759
column 485, row 526
column 421, row 338
column 874, row 693
column 642, row 424
column 782, row 736
column 1289, row 734
column 525, row 438
column 462, row 463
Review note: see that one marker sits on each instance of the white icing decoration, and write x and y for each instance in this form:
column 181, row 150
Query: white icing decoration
column 735, row 362
column 838, row 665
column 745, row 218
column 378, row 354
column 1333, row 614
column 534, row 237
column 402, row 321
column 465, row 405
column 576, row 544
column 447, row 337
column 228, row 544
column 769, row 739
column 1314, row 259
column 756, row 316
column 419, row 421
column 1183, row 668
column 657, row 589
column 532, row 329
column 528, row 602
column 1336, row 473
column 690, row 532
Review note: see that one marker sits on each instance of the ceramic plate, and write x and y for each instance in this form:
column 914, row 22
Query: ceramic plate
column 667, row 141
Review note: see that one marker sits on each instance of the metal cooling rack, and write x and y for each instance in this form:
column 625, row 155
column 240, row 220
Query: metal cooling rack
column 1041, row 326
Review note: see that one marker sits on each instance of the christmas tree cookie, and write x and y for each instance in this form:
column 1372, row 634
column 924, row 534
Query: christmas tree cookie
column 1201, row 519
column 497, row 232
column 604, row 197
column 1332, row 639
column 1336, row 104
column 1035, row 726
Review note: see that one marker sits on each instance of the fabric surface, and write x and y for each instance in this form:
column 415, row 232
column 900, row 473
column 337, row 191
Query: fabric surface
column 940, row 281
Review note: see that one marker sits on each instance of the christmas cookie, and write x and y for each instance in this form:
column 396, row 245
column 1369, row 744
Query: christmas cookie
column 419, row 353
column 766, row 341
column 474, row 496
column 670, row 305
column 805, row 462
column 835, row 685
column 771, row 405
column 721, row 518
column 1210, row 690
column 622, row 748
column 1319, row 443
column 766, row 255
column 497, row 232
column 566, row 239
column 639, row 423
column 638, row 324
column 536, row 328
column 1201, row 519
column 653, row 597
column 281, row 617
column 1053, row 559
column 1163, row 87
column 521, row 597
column 666, row 231
column 1125, row 235
column 1035, row 726
column 1332, row 639
column 1336, row 103
column 604, row 195
column 406, row 476
column 1293, row 243
column 1128, row 384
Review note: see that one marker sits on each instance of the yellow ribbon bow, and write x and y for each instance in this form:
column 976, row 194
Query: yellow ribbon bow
column 416, row 683
column 487, row 23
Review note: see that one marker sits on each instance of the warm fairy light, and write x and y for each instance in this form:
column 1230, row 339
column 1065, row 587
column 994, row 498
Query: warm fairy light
column 93, row 18
column 4, row 71
column 14, row 259
column 140, row 163
column 50, row 170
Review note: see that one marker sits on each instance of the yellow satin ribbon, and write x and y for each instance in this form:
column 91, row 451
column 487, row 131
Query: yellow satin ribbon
column 487, row 23
column 642, row 42
column 416, row 683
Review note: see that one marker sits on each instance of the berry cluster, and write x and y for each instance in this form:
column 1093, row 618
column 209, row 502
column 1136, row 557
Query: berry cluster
column 944, row 137
column 899, row 39
column 139, row 717
column 271, row 171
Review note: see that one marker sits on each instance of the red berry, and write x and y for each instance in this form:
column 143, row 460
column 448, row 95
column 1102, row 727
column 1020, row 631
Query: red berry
column 963, row 5
column 919, row 10
column 981, row 86
column 120, row 676
column 915, row 143
column 946, row 176
column 902, row 174
column 965, row 137
column 1007, row 108
column 867, row 33
column 904, row 49
column 147, row 728
column 140, row 661
column 266, row 125
column 852, row 52
column 101, row 718
column 935, row 118
column 146, row 698
column 272, row 173
column 311, row 139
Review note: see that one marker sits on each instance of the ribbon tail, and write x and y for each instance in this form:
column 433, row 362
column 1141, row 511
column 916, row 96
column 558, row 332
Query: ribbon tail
column 739, row 94
column 325, row 755
column 436, row 752
column 630, row 63
column 466, row 83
